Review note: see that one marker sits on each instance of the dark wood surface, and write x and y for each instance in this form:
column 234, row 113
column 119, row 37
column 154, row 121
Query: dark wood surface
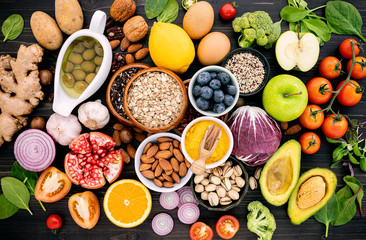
column 24, row 226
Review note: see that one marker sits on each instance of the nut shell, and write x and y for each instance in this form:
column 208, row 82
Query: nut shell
column 121, row 10
column 135, row 28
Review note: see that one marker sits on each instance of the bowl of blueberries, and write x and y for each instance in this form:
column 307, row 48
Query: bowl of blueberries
column 213, row 91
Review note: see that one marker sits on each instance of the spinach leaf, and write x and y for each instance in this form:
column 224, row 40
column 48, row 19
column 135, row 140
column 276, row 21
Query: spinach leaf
column 328, row 213
column 277, row 28
column 170, row 12
column 293, row 14
column 293, row 26
column 352, row 159
column 16, row 192
column 356, row 188
column 343, row 18
column 347, row 206
column 356, row 150
column 7, row 209
column 21, row 174
column 319, row 27
column 338, row 164
column 154, row 7
column 339, row 152
column 12, row 27
column 363, row 163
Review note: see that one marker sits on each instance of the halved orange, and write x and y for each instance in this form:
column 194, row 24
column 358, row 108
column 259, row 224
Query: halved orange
column 127, row 203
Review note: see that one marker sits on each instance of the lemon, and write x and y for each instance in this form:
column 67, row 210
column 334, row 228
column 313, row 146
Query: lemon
column 170, row 47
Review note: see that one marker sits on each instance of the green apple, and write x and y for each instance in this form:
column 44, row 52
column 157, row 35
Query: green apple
column 285, row 97
column 297, row 51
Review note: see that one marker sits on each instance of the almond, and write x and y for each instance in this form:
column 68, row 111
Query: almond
column 165, row 165
column 138, row 130
column 158, row 182
column 134, row 47
column 168, row 178
column 284, row 125
column 171, row 148
column 164, row 146
column 114, row 43
column 152, row 151
column 158, row 171
column 125, row 43
column 131, row 151
column 175, row 164
column 144, row 166
column 176, row 143
column 182, row 169
column 161, row 178
column 293, row 130
column 116, row 138
column 141, row 53
column 154, row 165
column 168, row 184
column 129, row 59
column 148, row 174
column 163, row 154
column 145, row 159
column 147, row 147
column 188, row 164
column 164, row 139
column 178, row 155
column 175, row 177
column 125, row 156
column 118, row 126
column 140, row 137
column 169, row 172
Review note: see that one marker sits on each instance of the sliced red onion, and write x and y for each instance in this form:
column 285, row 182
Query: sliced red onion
column 34, row 150
column 169, row 200
column 185, row 196
column 188, row 213
column 182, row 189
column 162, row 224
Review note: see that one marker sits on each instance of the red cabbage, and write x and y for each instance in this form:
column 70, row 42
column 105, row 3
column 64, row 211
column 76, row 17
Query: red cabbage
column 256, row 135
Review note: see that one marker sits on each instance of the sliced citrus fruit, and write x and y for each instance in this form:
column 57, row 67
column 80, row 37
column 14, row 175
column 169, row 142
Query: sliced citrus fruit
column 127, row 203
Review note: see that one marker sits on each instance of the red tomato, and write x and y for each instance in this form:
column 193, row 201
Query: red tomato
column 310, row 143
column 330, row 67
column 359, row 70
column 54, row 222
column 84, row 209
column 310, row 118
column 200, row 231
column 317, row 90
column 350, row 94
column 345, row 48
column 227, row 226
column 335, row 126
column 228, row 11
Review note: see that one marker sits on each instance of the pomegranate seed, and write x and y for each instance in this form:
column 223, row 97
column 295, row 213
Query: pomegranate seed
column 100, row 164
column 82, row 163
column 96, row 157
column 82, row 181
column 87, row 166
column 103, row 155
column 93, row 162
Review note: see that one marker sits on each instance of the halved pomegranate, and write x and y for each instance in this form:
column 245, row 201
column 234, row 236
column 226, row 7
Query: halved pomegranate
column 92, row 156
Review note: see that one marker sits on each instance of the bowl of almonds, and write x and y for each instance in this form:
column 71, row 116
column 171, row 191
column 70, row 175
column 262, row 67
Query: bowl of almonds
column 160, row 164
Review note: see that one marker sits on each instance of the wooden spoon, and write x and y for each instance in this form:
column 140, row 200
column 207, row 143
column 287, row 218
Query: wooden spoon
column 207, row 147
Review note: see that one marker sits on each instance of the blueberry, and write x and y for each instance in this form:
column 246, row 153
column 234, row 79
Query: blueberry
column 231, row 89
column 219, row 108
column 203, row 78
column 206, row 92
column 228, row 100
column 202, row 104
column 197, row 91
column 224, row 78
column 219, row 96
column 215, row 84
column 213, row 75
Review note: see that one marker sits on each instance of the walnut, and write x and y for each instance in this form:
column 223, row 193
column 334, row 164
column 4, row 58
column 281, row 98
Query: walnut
column 135, row 28
column 122, row 10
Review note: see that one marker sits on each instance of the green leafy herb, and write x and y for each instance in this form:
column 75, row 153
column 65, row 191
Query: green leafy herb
column 328, row 213
column 347, row 206
column 7, row 209
column 363, row 163
column 356, row 188
column 277, row 28
column 170, row 12
column 319, row 27
column 293, row 14
column 16, row 192
column 12, row 27
column 153, row 8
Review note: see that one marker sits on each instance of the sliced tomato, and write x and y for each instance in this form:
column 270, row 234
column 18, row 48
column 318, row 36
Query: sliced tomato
column 227, row 226
column 84, row 209
column 200, row 231
column 52, row 185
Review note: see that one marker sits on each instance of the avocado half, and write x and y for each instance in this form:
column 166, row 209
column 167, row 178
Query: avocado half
column 281, row 172
column 313, row 190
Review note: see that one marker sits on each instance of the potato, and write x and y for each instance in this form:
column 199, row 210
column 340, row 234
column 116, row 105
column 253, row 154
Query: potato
column 69, row 16
column 46, row 31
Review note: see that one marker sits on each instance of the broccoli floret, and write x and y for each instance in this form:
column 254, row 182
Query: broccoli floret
column 271, row 40
column 261, row 20
column 236, row 25
column 261, row 220
column 250, row 34
column 262, row 41
column 244, row 22
column 260, row 33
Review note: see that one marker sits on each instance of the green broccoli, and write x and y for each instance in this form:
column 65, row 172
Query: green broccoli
column 236, row 25
column 261, row 220
column 262, row 41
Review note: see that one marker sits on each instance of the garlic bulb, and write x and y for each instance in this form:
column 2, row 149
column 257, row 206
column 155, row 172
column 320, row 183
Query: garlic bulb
column 63, row 129
column 93, row 115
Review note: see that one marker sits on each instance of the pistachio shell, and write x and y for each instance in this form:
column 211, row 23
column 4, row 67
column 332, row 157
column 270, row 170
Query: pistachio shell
column 225, row 201
column 226, row 184
column 210, row 187
column 234, row 195
column 198, row 178
column 215, row 180
column 213, row 199
column 204, row 195
column 237, row 170
column 205, row 182
column 221, row 192
column 199, row 188
column 240, row 182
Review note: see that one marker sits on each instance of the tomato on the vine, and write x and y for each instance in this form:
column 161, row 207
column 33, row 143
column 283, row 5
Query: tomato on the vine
column 345, row 48
column 350, row 94
column 310, row 143
column 54, row 222
column 311, row 118
column 228, row 11
column 359, row 70
column 335, row 126
column 227, row 226
column 200, row 231
column 330, row 67
column 318, row 88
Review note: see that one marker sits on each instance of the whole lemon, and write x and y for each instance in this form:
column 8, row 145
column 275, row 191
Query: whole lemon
column 170, row 47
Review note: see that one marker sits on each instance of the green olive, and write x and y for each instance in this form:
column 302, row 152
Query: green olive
column 76, row 58
column 89, row 42
column 98, row 49
column 69, row 67
column 89, row 78
column 79, row 48
column 89, row 54
column 98, row 60
column 68, row 80
column 80, row 86
column 88, row 66
column 97, row 69
column 79, row 75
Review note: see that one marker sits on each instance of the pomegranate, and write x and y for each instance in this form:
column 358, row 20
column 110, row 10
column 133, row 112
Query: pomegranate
column 92, row 156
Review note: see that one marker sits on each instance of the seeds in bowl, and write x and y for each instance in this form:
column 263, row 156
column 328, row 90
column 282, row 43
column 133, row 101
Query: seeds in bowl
column 248, row 70
column 155, row 99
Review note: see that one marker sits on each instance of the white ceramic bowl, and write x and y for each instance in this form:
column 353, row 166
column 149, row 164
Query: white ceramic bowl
column 228, row 132
column 193, row 82
column 149, row 183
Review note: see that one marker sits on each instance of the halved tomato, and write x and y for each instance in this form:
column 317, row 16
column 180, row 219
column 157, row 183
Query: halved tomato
column 52, row 185
column 84, row 209
column 227, row 226
column 200, row 231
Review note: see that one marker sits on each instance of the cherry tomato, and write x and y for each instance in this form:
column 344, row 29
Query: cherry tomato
column 330, row 67
column 228, row 11
column 310, row 143
column 200, row 231
column 310, row 118
column 317, row 90
column 84, row 209
column 345, row 48
column 54, row 222
column 335, row 126
column 227, row 226
column 350, row 94
column 359, row 70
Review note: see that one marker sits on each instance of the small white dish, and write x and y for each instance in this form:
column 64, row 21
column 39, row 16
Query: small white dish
column 63, row 104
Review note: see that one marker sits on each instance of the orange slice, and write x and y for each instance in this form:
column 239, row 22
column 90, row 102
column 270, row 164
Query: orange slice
column 127, row 203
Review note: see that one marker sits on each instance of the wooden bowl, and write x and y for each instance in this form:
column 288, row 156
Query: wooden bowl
column 172, row 124
column 108, row 94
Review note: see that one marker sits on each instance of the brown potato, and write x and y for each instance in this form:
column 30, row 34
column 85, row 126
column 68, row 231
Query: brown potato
column 69, row 16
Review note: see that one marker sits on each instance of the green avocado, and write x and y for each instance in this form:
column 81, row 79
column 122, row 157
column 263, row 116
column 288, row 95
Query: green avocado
column 281, row 172
column 313, row 190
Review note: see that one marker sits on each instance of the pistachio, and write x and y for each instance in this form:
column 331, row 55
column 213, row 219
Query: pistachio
column 213, row 199
column 210, row 187
column 225, row 201
column 217, row 172
column 228, row 171
column 208, row 170
column 233, row 176
column 253, row 183
column 235, row 188
column 199, row 188
column 234, row 195
column 221, row 192
column 199, row 178
column 257, row 173
column 215, row 180
column 240, row 182
column 226, row 184
column 206, row 174
column 232, row 182
column 204, row 195
column 205, row 182
column 238, row 171
column 229, row 163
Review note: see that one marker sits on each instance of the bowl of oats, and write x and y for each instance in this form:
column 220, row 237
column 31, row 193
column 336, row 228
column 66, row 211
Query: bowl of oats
column 155, row 100
column 251, row 69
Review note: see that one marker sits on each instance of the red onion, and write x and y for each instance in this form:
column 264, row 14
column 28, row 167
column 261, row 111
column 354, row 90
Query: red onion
column 34, row 150
column 188, row 213
column 162, row 224
column 185, row 196
column 169, row 200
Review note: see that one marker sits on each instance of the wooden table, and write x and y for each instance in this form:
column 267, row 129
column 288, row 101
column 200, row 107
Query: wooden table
column 24, row 226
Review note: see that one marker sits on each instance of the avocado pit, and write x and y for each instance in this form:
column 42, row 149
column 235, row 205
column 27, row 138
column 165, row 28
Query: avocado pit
column 311, row 192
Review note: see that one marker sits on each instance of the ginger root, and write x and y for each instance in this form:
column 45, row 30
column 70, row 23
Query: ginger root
column 20, row 89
